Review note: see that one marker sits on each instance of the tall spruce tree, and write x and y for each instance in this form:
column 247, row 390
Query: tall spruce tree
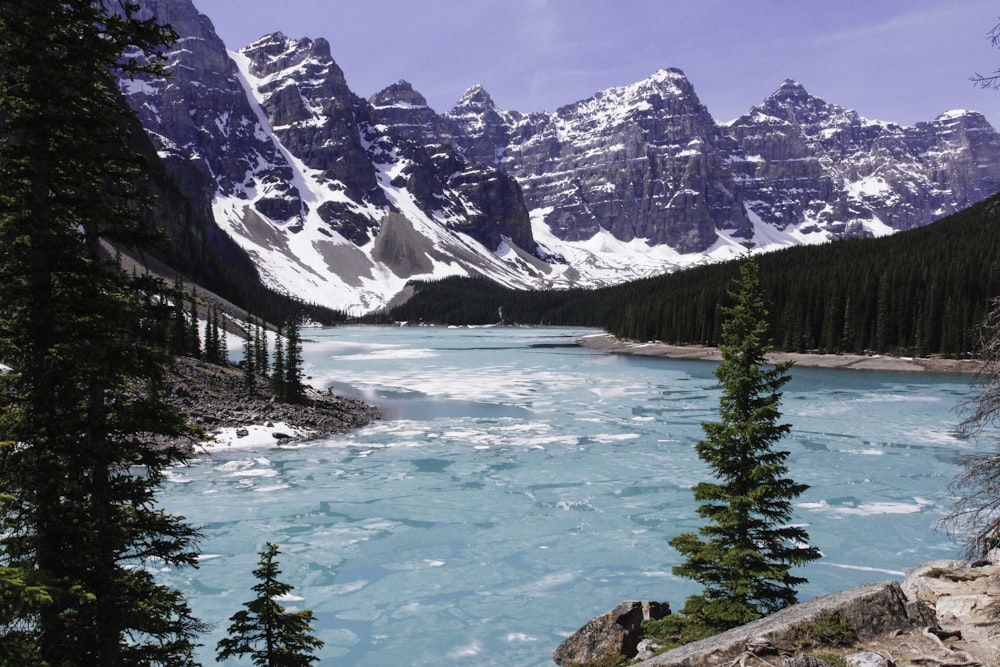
column 211, row 338
column 270, row 634
column 194, row 340
column 262, row 360
column 178, row 329
column 277, row 381
column 221, row 341
column 249, row 354
column 743, row 556
column 78, row 466
column 294, row 387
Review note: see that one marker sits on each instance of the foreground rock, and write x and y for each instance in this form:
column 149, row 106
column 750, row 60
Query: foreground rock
column 616, row 633
column 966, row 601
column 871, row 610
column 945, row 614
column 215, row 397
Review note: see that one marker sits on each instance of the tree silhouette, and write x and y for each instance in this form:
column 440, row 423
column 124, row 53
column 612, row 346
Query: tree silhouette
column 80, row 528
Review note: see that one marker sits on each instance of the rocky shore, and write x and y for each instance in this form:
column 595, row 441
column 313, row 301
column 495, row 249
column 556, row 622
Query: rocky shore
column 609, row 343
column 946, row 613
column 217, row 399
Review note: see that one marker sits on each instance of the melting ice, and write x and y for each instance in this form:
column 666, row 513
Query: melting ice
column 519, row 486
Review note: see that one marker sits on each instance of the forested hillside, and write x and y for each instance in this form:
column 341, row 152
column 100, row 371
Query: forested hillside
column 916, row 293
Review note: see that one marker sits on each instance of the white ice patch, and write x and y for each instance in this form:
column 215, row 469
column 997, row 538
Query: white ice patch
column 467, row 651
column 867, row 509
column 615, row 437
column 258, row 435
column 861, row 568
column 389, row 354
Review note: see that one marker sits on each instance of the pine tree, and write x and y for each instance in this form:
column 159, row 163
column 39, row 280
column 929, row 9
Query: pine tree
column 249, row 353
column 744, row 554
column 194, row 342
column 215, row 342
column 277, row 383
column 262, row 361
column 178, row 329
column 221, row 342
column 271, row 635
column 79, row 526
column 211, row 355
column 294, row 387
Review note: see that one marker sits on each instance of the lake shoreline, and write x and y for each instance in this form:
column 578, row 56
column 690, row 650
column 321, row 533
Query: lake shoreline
column 609, row 343
column 216, row 398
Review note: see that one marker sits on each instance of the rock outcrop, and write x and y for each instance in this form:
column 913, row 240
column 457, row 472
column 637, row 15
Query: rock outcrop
column 648, row 161
column 805, row 162
column 945, row 612
column 219, row 145
column 871, row 610
column 640, row 161
column 965, row 599
column 212, row 396
column 616, row 633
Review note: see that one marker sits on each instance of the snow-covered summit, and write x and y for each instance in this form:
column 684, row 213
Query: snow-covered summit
column 342, row 200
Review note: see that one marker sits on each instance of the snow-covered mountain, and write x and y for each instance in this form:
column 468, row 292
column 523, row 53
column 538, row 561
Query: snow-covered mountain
column 340, row 200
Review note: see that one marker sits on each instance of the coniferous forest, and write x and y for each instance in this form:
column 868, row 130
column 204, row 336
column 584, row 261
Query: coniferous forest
column 919, row 292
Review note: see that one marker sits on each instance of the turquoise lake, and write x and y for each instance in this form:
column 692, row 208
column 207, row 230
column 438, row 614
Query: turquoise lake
column 519, row 485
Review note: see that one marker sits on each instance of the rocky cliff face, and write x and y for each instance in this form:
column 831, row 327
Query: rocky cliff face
column 301, row 172
column 364, row 148
column 317, row 119
column 807, row 163
column 642, row 161
column 217, row 145
column 648, row 161
column 438, row 172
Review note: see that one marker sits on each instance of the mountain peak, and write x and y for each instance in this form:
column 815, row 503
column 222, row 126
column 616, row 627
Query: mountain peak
column 790, row 88
column 666, row 81
column 401, row 92
column 267, row 42
column 476, row 98
column 668, row 74
column 791, row 102
column 277, row 46
column 275, row 53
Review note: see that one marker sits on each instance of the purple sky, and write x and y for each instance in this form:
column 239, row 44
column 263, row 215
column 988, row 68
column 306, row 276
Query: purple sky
column 895, row 60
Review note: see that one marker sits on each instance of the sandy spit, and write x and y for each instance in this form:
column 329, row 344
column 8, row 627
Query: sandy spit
column 609, row 343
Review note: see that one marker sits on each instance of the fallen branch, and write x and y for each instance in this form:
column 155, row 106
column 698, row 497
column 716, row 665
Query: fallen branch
column 929, row 633
column 944, row 663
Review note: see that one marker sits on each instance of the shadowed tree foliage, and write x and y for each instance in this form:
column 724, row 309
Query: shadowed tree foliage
column 80, row 531
column 744, row 554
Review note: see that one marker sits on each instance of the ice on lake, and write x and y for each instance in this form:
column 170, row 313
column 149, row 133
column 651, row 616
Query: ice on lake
column 517, row 487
